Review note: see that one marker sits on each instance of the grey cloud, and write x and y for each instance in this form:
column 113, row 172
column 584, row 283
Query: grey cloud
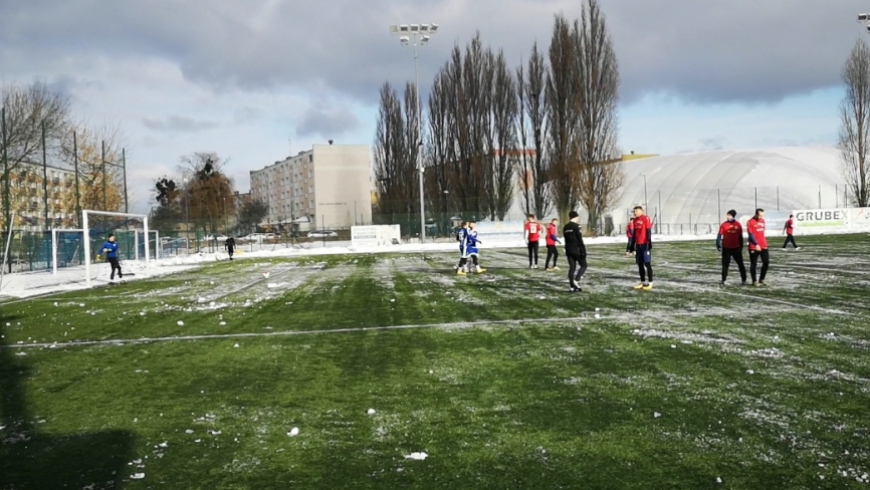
column 327, row 122
column 701, row 51
column 716, row 143
column 246, row 114
column 179, row 124
column 66, row 85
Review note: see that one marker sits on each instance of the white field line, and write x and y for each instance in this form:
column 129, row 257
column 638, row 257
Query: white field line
column 290, row 333
column 741, row 295
column 779, row 267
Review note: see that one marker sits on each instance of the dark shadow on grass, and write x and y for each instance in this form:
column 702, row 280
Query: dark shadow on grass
column 29, row 460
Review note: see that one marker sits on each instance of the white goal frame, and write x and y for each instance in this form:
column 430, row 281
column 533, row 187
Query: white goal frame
column 87, row 239
column 54, row 232
column 145, row 233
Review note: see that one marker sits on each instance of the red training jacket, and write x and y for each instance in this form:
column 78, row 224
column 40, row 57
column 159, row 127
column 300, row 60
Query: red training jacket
column 551, row 232
column 732, row 234
column 755, row 229
column 642, row 230
column 534, row 230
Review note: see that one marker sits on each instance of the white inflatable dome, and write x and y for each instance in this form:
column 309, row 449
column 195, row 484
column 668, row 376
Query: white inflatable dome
column 699, row 188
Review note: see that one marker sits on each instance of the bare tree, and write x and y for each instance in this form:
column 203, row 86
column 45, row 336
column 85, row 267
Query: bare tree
column 563, row 100
column 532, row 120
column 504, row 149
column 395, row 153
column 439, row 150
column 855, row 124
column 600, row 173
column 27, row 110
column 209, row 191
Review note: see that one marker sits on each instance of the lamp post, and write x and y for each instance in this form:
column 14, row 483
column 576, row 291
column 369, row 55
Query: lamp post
column 417, row 34
column 645, row 202
column 186, row 212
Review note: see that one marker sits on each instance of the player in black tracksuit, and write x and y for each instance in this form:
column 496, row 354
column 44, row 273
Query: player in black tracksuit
column 575, row 251
column 230, row 245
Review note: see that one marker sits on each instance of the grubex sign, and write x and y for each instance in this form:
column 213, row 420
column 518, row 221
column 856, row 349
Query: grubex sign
column 822, row 218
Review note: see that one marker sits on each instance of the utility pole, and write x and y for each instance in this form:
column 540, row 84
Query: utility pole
column 124, row 168
column 6, row 209
column 103, row 159
column 44, row 178
column 78, row 192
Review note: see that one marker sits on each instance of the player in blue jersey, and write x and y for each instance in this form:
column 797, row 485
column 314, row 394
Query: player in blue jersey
column 471, row 250
column 110, row 248
column 462, row 238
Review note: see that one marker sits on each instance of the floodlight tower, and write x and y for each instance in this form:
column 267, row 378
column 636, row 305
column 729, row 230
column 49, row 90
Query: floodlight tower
column 865, row 18
column 417, row 35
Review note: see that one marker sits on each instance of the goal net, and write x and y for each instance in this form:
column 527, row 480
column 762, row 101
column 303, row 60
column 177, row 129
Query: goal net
column 135, row 241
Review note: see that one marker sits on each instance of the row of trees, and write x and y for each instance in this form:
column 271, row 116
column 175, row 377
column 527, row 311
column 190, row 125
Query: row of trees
column 547, row 128
column 855, row 124
column 38, row 133
column 203, row 198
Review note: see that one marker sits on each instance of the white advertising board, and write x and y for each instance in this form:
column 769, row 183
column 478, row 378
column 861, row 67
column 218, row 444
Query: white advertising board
column 859, row 219
column 822, row 220
column 375, row 235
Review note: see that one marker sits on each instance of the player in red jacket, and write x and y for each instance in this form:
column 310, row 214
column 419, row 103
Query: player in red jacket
column 757, row 247
column 629, row 248
column 532, row 235
column 730, row 243
column 788, row 229
column 552, row 240
column 641, row 239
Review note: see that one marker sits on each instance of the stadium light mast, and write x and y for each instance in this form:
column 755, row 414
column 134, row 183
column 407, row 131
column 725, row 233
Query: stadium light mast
column 865, row 18
column 417, row 35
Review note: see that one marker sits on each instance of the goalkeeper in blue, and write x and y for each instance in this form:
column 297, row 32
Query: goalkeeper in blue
column 472, row 250
column 110, row 248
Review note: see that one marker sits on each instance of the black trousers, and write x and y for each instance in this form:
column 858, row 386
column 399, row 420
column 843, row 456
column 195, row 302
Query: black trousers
column 576, row 268
column 737, row 255
column 115, row 265
column 644, row 262
column 789, row 239
column 553, row 252
column 230, row 251
column 629, row 247
column 533, row 252
column 765, row 262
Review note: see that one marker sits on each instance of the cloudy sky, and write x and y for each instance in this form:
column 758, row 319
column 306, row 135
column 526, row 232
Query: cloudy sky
column 257, row 79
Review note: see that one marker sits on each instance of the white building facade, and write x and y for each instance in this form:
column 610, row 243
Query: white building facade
column 328, row 186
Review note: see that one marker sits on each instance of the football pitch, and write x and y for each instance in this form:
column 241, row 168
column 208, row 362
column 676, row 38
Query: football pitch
column 504, row 379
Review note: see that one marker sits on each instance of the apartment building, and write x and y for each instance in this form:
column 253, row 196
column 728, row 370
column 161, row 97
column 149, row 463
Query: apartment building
column 27, row 196
column 328, row 186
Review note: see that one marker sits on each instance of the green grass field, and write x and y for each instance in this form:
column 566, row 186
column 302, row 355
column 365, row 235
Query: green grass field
column 505, row 379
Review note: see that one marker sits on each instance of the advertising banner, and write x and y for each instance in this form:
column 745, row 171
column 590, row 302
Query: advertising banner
column 501, row 230
column 860, row 219
column 822, row 219
column 364, row 236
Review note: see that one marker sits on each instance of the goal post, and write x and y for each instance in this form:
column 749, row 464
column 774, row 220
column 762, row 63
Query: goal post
column 87, row 239
column 54, row 244
column 145, row 234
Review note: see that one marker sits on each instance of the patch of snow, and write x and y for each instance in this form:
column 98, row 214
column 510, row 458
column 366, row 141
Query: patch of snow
column 417, row 456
